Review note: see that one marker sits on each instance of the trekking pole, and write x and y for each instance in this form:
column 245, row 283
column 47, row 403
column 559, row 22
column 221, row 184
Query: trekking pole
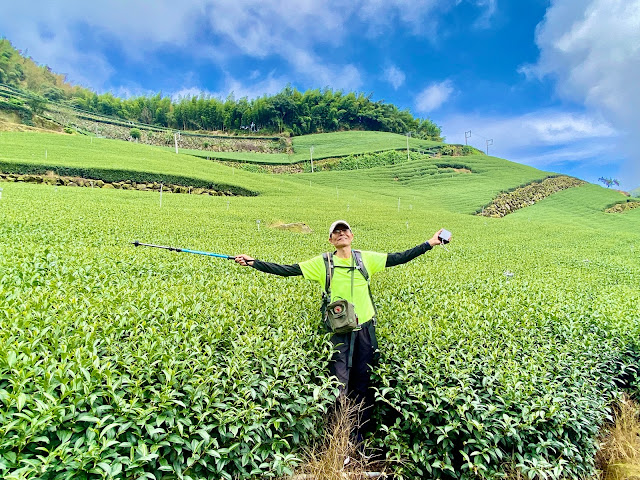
column 185, row 250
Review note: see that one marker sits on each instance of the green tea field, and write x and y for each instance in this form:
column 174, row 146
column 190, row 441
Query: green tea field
column 327, row 145
column 501, row 353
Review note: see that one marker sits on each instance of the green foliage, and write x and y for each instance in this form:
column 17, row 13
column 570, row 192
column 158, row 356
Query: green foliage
column 117, row 362
column 469, row 150
column 609, row 181
column 37, row 103
column 53, row 93
column 354, row 162
column 135, row 133
column 17, row 106
column 169, row 386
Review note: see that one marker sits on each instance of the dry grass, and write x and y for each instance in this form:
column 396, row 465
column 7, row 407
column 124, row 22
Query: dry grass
column 10, row 126
column 619, row 454
column 297, row 227
column 327, row 460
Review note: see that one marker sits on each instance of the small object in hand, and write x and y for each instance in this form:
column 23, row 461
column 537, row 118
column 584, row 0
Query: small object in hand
column 445, row 236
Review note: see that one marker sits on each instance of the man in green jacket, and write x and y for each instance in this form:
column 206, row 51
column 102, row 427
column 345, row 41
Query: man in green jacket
column 356, row 350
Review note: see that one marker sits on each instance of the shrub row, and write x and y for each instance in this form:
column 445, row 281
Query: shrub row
column 352, row 162
column 126, row 185
column 117, row 177
column 500, row 380
column 136, row 386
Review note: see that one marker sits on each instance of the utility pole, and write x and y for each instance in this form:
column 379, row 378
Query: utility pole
column 489, row 142
column 311, row 155
column 467, row 135
column 408, row 135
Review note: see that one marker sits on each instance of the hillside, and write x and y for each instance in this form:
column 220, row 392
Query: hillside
column 502, row 353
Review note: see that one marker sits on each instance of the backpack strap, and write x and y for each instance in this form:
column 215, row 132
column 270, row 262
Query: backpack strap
column 326, row 295
column 357, row 254
column 328, row 268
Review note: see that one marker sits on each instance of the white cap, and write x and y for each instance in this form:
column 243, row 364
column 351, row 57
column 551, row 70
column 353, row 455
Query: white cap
column 336, row 223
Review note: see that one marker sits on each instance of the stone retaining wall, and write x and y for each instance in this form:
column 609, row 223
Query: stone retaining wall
column 507, row 203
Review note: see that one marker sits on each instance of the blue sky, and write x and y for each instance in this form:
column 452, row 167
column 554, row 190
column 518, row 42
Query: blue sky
column 551, row 83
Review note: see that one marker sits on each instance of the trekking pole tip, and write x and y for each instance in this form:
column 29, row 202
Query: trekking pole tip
column 136, row 243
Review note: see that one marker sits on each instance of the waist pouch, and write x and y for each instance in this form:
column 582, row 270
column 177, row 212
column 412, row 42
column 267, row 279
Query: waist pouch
column 341, row 317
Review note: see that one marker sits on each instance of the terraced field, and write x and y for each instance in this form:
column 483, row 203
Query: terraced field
column 326, row 145
column 503, row 352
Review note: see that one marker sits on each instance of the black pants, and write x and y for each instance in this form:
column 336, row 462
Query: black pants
column 356, row 379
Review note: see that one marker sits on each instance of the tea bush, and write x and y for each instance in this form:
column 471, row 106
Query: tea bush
column 500, row 354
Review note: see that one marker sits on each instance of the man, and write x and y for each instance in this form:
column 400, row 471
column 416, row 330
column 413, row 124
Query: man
column 356, row 350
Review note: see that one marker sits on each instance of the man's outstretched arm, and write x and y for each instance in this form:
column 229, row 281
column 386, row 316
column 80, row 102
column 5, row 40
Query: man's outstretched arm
column 399, row 258
column 268, row 267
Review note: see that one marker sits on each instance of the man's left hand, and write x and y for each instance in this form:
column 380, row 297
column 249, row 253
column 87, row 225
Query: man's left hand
column 435, row 240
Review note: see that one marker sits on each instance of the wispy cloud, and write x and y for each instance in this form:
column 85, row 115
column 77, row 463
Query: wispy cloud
column 552, row 140
column 434, row 96
column 394, row 76
column 489, row 8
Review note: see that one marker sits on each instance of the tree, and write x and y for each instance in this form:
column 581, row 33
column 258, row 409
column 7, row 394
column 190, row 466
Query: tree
column 609, row 181
column 135, row 134
column 37, row 104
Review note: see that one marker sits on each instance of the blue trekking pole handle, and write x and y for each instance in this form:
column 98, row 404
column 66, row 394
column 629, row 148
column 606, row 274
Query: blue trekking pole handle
column 210, row 254
column 176, row 249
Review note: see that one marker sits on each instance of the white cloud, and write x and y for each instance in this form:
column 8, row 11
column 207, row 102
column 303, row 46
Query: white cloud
column 592, row 49
column 434, row 96
column 190, row 92
column 324, row 73
column 539, row 129
column 295, row 31
column 240, row 88
column 551, row 140
column 394, row 76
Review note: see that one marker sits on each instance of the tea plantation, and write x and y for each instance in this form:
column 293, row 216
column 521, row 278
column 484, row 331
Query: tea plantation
column 501, row 354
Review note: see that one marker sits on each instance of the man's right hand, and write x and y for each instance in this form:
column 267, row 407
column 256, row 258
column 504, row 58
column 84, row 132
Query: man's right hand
column 244, row 260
